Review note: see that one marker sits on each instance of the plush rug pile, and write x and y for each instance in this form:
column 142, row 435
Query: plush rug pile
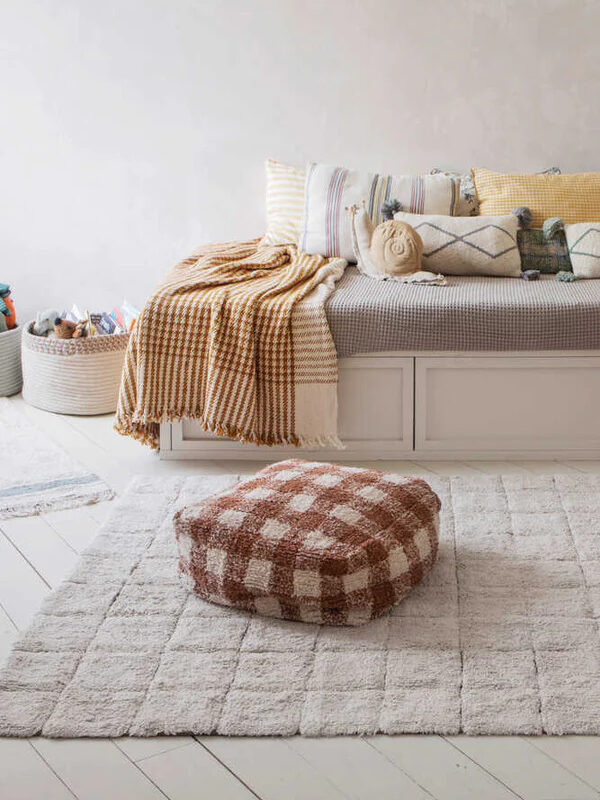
column 36, row 475
column 502, row 637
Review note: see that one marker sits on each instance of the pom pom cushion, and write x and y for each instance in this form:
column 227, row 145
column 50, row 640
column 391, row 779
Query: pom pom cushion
column 311, row 542
column 467, row 245
column 573, row 198
column 331, row 190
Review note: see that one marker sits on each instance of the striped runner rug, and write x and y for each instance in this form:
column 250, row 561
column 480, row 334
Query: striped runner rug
column 36, row 475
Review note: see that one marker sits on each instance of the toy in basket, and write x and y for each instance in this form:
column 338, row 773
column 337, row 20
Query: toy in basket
column 10, row 345
column 72, row 362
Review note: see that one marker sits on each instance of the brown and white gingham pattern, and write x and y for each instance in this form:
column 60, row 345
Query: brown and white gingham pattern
column 312, row 542
column 215, row 343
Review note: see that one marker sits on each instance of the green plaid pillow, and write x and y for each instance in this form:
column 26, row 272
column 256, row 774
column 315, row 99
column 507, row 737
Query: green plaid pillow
column 549, row 254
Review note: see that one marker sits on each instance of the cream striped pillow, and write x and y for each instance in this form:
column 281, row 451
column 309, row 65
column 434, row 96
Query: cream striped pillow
column 285, row 203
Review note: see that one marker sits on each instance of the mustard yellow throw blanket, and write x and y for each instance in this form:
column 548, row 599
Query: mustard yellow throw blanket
column 237, row 338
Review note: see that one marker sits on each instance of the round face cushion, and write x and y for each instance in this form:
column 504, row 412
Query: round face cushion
column 311, row 542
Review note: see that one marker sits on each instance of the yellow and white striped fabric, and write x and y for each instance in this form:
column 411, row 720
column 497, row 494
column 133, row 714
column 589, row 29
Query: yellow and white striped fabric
column 573, row 198
column 285, row 202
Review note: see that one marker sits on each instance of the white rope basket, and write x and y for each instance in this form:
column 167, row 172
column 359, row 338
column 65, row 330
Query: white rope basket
column 10, row 362
column 73, row 376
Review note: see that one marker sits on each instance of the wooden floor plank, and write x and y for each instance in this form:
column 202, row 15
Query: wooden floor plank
column 138, row 748
column 450, row 468
column 21, row 588
column 549, row 467
column 24, row 775
column 498, row 467
column 440, row 768
column 271, row 768
column 358, row 770
column 579, row 754
column 76, row 526
column 8, row 634
column 95, row 769
column 42, row 547
column 592, row 467
column 523, row 768
column 191, row 773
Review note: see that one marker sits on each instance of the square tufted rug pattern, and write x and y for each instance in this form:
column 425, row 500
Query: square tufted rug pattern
column 500, row 638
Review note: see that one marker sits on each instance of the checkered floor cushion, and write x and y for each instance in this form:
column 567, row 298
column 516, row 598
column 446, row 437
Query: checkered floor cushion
column 311, row 541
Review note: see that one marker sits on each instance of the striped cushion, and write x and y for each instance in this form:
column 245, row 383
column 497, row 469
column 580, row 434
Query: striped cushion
column 331, row 190
column 285, row 202
column 573, row 198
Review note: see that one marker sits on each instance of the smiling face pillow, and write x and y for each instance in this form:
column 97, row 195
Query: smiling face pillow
column 396, row 248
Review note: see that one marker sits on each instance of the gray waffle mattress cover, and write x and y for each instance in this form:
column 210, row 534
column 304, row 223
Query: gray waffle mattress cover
column 470, row 313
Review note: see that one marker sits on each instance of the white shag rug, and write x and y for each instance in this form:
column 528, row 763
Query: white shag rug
column 501, row 638
column 36, row 475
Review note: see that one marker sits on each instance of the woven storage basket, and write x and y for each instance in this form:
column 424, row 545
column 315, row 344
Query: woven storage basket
column 11, row 379
column 73, row 376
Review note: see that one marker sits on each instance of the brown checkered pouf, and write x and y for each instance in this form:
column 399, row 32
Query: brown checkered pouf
column 312, row 542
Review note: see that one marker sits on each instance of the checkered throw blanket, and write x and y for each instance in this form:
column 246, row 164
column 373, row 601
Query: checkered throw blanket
column 237, row 338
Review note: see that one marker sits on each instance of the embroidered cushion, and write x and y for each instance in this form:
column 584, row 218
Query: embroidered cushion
column 312, row 542
column 284, row 201
column 539, row 250
column 573, row 198
column 467, row 245
column 329, row 191
column 583, row 241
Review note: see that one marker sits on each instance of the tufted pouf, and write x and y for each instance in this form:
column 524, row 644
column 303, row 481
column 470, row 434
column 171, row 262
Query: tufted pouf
column 311, row 541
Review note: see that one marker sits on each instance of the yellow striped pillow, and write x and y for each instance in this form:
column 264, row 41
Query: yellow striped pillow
column 573, row 198
column 285, row 203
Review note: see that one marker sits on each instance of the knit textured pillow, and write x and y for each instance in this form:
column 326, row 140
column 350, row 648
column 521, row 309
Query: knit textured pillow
column 311, row 542
column 573, row 198
column 329, row 191
column 285, row 202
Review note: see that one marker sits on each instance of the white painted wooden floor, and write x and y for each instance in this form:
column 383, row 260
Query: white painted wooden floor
column 36, row 552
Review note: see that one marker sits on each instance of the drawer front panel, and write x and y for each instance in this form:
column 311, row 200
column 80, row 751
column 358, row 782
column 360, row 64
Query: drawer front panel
column 506, row 403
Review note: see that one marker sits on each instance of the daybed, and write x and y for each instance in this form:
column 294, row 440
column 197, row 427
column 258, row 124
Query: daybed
column 480, row 368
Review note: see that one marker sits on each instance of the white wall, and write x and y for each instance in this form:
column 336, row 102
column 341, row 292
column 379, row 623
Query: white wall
column 133, row 130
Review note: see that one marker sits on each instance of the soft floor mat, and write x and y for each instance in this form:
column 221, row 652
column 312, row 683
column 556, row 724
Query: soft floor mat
column 501, row 638
column 36, row 475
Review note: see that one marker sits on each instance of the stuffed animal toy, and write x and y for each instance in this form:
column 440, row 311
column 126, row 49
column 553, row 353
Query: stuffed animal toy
column 396, row 248
column 391, row 251
column 7, row 307
column 44, row 321
column 64, row 328
column 81, row 330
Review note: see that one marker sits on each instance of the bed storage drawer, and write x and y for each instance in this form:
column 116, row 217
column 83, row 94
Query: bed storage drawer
column 500, row 403
column 375, row 416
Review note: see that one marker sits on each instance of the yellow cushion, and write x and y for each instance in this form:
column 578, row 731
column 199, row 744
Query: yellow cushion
column 573, row 198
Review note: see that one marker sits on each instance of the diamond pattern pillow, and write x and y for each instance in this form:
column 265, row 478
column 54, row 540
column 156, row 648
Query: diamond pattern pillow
column 311, row 541
column 467, row 245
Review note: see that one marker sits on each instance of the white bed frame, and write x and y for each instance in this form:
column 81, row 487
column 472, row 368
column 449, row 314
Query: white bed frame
column 441, row 405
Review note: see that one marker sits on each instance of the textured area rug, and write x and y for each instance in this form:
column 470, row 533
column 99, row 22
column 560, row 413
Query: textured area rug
column 36, row 475
column 501, row 638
